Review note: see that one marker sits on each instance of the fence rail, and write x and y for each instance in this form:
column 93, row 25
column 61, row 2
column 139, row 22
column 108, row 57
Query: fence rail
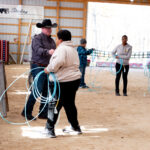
column 99, row 53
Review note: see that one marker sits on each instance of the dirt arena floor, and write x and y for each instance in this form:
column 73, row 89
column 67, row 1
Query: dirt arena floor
column 108, row 122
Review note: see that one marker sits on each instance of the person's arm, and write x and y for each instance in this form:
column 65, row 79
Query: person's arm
column 83, row 51
column 38, row 47
column 114, row 52
column 88, row 52
column 128, row 56
column 57, row 61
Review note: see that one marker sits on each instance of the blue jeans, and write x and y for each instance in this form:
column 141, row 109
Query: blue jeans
column 42, row 86
column 82, row 69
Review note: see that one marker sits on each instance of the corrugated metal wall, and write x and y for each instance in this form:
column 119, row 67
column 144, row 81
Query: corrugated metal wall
column 70, row 17
column 9, row 28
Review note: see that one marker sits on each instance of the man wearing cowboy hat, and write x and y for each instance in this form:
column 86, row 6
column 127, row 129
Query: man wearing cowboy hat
column 43, row 47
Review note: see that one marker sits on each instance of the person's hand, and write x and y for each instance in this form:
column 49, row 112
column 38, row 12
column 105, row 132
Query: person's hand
column 45, row 70
column 51, row 51
column 117, row 57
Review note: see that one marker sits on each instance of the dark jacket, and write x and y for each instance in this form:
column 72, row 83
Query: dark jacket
column 41, row 44
column 83, row 52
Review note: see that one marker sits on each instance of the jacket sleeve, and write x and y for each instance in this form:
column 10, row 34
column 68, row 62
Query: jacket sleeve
column 114, row 51
column 88, row 52
column 128, row 56
column 82, row 51
column 57, row 60
column 37, row 46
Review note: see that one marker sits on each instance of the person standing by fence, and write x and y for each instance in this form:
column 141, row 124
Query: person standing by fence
column 122, row 52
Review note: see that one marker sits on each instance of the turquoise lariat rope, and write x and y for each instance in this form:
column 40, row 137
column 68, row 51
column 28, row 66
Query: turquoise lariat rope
column 49, row 99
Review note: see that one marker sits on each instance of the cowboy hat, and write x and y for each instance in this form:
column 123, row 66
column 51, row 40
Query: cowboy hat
column 46, row 23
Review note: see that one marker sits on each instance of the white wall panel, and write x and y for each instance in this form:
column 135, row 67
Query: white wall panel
column 50, row 12
column 53, row 31
column 23, row 38
column 9, row 38
column 13, row 47
column 8, row 29
column 4, row 20
column 76, row 41
column 24, row 29
column 71, row 4
column 39, row 3
column 50, row 3
column 69, row 13
column 75, row 32
column 9, row 2
column 71, row 22
column 33, row 21
column 27, row 48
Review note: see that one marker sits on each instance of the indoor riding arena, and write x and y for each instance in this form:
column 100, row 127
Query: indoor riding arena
column 112, row 37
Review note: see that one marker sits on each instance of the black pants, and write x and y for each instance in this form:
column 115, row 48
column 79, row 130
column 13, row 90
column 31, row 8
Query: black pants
column 67, row 100
column 124, row 71
column 30, row 77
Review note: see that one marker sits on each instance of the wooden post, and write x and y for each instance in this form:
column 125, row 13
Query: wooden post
column 85, row 19
column 25, row 43
column 30, row 34
column 58, row 13
column 4, row 100
column 19, row 38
